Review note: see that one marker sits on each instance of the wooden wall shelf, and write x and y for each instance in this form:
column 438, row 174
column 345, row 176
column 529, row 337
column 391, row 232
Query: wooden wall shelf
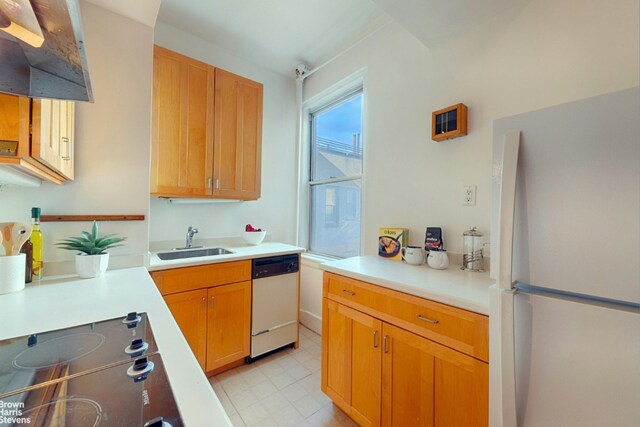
column 68, row 218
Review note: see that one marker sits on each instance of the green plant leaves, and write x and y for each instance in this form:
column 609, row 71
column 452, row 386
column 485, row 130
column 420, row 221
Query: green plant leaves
column 91, row 243
column 94, row 230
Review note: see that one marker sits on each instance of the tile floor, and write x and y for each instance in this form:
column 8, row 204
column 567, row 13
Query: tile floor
column 282, row 390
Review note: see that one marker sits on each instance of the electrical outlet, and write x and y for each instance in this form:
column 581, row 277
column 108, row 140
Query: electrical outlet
column 469, row 195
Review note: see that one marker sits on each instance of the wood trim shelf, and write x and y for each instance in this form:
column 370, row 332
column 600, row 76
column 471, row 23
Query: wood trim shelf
column 68, row 218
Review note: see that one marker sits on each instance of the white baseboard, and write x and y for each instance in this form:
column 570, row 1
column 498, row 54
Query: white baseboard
column 311, row 321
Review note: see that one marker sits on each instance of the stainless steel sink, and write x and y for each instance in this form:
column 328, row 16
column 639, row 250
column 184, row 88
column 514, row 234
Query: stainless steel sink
column 192, row 253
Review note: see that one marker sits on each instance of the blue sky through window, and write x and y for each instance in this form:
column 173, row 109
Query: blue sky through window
column 341, row 122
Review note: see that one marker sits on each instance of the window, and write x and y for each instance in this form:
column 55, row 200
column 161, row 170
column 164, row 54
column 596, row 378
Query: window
column 335, row 177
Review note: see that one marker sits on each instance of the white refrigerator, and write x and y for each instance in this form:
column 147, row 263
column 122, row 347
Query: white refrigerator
column 565, row 310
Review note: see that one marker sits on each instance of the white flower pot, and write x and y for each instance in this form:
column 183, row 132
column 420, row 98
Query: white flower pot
column 89, row 266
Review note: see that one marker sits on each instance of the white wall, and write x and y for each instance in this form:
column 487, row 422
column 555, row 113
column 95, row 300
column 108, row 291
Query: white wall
column 275, row 211
column 546, row 53
column 112, row 144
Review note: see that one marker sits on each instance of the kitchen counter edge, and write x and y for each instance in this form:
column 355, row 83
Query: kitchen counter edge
column 239, row 253
column 461, row 289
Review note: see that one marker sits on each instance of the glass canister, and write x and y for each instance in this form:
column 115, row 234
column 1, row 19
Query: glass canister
column 472, row 257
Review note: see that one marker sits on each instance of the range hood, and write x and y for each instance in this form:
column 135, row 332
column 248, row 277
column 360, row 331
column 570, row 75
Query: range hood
column 57, row 69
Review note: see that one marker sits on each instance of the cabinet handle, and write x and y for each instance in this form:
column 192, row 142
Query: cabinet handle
column 385, row 348
column 217, row 184
column 351, row 294
column 209, row 182
column 68, row 142
column 375, row 339
column 204, row 303
column 213, row 302
column 426, row 319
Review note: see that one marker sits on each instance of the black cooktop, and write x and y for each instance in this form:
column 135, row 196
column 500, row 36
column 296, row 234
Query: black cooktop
column 97, row 374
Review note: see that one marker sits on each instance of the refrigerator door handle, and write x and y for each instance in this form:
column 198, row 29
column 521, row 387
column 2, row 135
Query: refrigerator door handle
column 506, row 211
column 502, row 405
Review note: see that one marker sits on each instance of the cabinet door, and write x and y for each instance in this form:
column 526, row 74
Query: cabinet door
column 46, row 146
column 182, row 125
column 9, row 118
column 67, row 138
column 427, row 384
column 352, row 362
column 189, row 309
column 228, row 324
column 53, row 135
column 238, row 136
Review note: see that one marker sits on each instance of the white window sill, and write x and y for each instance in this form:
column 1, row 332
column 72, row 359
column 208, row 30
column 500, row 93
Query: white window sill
column 314, row 260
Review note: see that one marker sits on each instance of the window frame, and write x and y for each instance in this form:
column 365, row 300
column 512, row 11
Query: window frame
column 324, row 100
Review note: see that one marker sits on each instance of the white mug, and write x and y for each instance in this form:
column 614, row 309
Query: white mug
column 438, row 259
column 413, row 255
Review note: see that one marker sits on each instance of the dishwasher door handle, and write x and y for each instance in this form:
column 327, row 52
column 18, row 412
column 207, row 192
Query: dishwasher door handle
column 273, row 328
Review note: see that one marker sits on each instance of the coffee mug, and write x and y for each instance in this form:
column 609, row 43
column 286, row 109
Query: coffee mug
column 438, row 259
column 413, row 255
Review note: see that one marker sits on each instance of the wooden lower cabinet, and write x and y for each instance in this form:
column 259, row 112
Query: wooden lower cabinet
column 189, row 309
column 427, row 384
column 228, row 324
column 212, row 306
column 352, row 364
column 382, row 375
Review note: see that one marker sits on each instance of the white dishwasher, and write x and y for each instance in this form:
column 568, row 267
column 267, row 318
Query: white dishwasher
column 274, row 314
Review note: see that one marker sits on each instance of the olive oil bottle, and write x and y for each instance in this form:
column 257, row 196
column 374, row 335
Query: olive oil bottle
column 38, row 244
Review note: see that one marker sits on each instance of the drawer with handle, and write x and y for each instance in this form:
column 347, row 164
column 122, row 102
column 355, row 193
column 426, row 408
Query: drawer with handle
column 184, row 279
column 453, row 327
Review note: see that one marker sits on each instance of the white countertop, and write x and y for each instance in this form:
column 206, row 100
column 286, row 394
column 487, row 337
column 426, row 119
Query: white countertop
column 240, row 252
column 452, row 286
column 61, row 302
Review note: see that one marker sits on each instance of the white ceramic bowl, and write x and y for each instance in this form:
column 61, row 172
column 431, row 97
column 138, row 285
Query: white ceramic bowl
column 254, row 237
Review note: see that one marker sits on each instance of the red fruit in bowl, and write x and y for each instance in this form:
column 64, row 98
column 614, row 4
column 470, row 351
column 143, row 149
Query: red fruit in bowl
column 250, row 228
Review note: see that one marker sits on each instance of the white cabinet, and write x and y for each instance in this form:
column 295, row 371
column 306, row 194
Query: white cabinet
column 53, row 139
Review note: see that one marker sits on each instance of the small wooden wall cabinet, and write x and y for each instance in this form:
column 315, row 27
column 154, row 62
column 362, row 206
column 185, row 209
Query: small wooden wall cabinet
column 448, row 123
column 37, row 137
column 212, row 306
column 206, row 133
column 392, row 359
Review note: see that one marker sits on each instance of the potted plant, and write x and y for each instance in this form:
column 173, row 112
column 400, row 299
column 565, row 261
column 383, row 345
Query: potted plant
column 93, row 258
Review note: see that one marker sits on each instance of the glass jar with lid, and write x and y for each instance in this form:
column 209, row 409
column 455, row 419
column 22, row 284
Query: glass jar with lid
column 472, row 257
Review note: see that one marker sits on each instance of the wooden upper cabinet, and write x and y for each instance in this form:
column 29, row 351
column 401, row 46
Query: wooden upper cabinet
column 182, row 125
column 52, row 139
column 10, row 118
column 38, row 136
column 206, row 130
column 238, row 136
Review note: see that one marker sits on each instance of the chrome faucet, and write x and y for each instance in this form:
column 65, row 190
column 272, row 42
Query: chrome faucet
column 190, row 233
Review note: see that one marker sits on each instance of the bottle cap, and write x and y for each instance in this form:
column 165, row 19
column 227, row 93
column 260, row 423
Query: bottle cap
column 35, row 212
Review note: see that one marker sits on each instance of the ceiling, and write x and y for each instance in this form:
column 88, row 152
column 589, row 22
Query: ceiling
column 278, row 34
column 281, row 34
column 435, row 21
